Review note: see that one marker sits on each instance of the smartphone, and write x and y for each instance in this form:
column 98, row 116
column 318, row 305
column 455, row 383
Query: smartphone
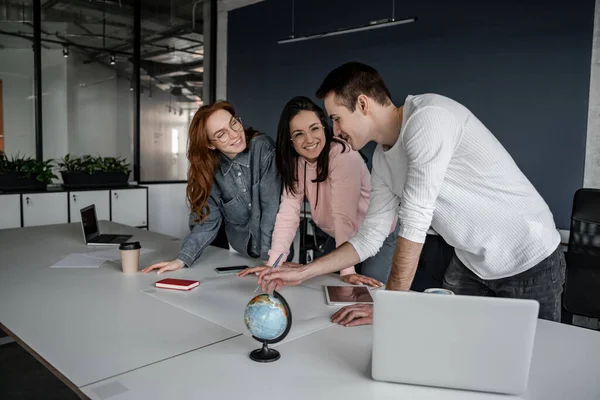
column 228, row 270
column 345, row 295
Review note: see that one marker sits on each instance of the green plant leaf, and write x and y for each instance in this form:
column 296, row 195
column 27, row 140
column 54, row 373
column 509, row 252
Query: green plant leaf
column 28, row 167
column 90, row 164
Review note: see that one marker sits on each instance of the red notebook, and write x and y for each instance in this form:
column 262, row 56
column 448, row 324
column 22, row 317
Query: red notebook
column 177, row 284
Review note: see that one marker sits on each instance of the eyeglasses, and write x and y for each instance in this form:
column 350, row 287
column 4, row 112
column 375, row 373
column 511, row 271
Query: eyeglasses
column 300, row 136
column 224, row 135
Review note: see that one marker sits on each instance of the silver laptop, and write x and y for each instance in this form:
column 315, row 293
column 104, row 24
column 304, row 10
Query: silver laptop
column 91, row 232
column 460, row 342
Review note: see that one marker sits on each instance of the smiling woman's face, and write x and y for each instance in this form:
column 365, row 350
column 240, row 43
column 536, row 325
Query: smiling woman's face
column 226, row 133
column 307, row 135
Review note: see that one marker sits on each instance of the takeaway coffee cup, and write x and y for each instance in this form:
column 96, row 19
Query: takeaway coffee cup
column 130, row 257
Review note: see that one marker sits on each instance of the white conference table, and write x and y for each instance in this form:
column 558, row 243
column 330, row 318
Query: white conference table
column 91, row 324
column 107, row 339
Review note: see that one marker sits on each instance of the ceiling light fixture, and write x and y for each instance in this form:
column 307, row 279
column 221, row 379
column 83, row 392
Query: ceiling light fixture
column 382, row 23
column 112, row 59
column 372, row 25
column 65, row 51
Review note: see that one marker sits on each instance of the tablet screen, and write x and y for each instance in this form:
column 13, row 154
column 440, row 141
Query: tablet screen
column 349, row 294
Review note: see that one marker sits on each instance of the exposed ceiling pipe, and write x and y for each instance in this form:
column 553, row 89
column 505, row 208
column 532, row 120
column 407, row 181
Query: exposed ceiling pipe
column 61, row 42
column 117, row 9
column 49, row 4
column 22, row 36
column 12, row 12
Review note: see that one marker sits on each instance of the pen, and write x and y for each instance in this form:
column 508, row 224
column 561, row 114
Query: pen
column 275, row 264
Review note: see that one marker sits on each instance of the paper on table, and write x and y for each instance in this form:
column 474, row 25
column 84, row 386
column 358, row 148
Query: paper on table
column 78, row 261
column 223, row 301
column 112, row 254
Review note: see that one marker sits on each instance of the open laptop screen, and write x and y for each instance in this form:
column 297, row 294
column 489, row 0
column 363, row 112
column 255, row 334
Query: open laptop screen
column 89, row 222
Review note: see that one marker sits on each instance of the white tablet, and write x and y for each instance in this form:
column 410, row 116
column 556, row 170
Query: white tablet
column 349, row 294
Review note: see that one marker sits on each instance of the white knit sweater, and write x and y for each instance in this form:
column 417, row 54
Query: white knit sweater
column 449, row 172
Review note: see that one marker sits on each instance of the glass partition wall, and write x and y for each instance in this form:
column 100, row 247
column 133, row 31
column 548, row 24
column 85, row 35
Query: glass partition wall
column 89, row 65
column 172, row 82
column 17, row 130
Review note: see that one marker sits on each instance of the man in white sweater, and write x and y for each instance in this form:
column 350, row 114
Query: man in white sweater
column 436, row 165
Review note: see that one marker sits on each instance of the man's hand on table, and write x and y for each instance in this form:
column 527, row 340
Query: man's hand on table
column 358, row 279
column 354, row 315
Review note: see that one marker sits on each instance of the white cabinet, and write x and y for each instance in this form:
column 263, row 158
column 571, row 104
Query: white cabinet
column 129, row 206
column 79, row 200
column 125, row 206
column 10, row 211
column 45, row 209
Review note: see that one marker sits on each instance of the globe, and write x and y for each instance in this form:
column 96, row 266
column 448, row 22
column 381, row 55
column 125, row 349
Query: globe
column 269, row 319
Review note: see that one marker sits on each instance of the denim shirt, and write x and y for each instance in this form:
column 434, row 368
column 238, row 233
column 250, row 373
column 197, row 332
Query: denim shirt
column 245, row 196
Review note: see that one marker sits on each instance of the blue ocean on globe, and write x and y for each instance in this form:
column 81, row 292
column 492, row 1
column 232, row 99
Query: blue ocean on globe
column 266, row 317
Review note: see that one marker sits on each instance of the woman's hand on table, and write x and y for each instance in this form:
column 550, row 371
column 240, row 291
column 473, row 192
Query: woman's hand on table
column 165, row 266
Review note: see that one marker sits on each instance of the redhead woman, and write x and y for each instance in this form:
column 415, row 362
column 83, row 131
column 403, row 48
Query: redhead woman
column 232, row 180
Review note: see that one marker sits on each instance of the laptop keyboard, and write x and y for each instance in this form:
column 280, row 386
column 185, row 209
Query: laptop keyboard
column 110, row 239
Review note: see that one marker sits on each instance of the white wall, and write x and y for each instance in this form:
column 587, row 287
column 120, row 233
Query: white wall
column 168, row 210
column 16, row 73
column 592, row 158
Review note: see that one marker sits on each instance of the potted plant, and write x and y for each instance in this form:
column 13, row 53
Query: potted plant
column 21, row 173
column 88, row 171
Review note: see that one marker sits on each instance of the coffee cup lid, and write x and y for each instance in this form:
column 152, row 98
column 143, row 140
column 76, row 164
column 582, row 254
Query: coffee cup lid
column 130, row 246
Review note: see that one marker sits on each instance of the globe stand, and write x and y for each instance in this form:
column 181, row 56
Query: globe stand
column 265, row 354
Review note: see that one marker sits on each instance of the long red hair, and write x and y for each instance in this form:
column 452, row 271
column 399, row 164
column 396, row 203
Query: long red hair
column 203, row 160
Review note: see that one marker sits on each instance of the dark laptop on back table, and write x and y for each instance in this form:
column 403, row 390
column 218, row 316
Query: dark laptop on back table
column 91, row 232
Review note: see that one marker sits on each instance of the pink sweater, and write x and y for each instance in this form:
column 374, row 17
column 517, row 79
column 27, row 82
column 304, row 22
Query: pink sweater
column 342, row 206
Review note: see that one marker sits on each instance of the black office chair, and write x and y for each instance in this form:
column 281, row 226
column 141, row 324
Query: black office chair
column 582, row 285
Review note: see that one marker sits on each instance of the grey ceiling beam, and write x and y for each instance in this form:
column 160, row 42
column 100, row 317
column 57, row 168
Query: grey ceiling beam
column 166, row 34
column 169, row 50
column 92, row 5
column 22, row 36
column 170, row 33
column 158, row 69
column 115, row 9
column 82, row 27
column 49, row 4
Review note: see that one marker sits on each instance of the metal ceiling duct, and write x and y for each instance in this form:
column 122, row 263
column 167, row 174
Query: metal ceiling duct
column 15, row 12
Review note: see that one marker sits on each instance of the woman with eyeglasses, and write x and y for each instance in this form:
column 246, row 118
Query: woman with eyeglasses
column 336, row 182
column 232, row 179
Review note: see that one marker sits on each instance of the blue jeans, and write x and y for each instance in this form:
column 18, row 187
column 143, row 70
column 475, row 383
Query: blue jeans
column 380, row 265
column 543, row 282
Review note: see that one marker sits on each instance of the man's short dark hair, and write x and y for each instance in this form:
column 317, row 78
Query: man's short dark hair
column 352, row 79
